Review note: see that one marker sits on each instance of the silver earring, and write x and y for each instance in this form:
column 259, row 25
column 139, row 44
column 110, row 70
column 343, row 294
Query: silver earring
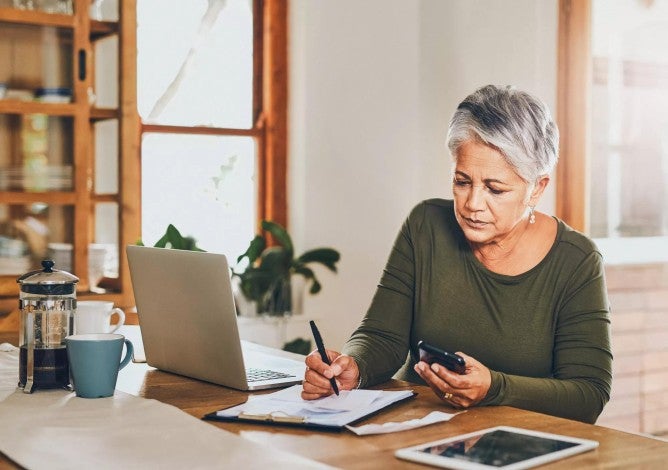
column 532, row 216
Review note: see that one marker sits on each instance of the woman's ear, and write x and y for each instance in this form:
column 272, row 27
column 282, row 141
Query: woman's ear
column 538, row 189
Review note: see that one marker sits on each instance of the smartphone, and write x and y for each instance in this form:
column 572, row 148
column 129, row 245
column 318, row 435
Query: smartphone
column 451, row 361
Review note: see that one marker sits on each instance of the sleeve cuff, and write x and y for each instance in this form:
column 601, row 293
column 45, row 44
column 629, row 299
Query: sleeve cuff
column 494, row 394
column 361, row 367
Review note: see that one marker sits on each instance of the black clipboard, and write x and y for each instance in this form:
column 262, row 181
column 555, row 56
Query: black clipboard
column 280, row 419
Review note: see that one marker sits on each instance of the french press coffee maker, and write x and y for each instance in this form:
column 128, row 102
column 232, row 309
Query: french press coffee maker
column 47, row 302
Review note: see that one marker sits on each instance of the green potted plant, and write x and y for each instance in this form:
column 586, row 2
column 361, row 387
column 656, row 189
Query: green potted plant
column 267, row 278
column 266, row 282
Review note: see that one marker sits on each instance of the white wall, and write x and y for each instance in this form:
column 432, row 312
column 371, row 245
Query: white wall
column 372, row 86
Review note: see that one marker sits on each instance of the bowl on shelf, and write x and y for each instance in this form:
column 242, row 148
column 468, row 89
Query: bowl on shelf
column 54, row 95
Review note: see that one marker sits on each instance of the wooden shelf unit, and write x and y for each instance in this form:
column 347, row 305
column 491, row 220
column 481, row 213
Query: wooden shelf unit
column 81, row 35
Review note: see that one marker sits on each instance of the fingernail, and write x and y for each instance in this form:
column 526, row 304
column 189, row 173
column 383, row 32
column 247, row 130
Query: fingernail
column 336, row 369
column 434, row 367
column 419, row 367
column 328, row 374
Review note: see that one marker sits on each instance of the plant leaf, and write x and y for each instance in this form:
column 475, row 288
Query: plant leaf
column 190, row 244
column 255, row 249
column 162, row 243
column 315, row 287
column 310, row 276
column 280, row 235
column 326, row 256
column 304, row 271
column 255, row 283
column 174, row 237
column 276, row 260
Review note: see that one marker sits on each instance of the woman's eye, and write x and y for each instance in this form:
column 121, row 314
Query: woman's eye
column 461, row 182
column 496, row 191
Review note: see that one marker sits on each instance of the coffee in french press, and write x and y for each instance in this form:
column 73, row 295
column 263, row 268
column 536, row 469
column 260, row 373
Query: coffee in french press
column 47, row 303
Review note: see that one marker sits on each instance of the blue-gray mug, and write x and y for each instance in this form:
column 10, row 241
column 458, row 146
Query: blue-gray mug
column 95, row 360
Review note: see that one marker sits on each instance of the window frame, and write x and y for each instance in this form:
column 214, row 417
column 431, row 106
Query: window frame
column 573, row 118
column 573, row 113
column 269, row 129
column 270, row 103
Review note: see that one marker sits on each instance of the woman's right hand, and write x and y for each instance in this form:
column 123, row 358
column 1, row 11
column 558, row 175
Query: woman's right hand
column 316, row 379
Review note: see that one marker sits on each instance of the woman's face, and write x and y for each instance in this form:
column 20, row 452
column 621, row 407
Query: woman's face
column 490, row 198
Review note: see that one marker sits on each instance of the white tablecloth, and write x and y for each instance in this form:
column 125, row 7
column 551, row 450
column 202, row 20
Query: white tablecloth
column 55, row 429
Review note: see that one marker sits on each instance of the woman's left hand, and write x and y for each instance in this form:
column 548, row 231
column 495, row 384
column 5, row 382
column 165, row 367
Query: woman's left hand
column 459, row 390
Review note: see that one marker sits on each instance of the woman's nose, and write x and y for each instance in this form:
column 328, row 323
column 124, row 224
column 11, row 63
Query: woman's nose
column 475, row 199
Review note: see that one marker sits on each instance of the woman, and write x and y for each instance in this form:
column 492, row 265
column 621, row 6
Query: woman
column 518, row 293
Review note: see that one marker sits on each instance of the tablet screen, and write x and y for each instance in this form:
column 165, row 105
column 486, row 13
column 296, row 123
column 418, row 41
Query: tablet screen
column 500, row 447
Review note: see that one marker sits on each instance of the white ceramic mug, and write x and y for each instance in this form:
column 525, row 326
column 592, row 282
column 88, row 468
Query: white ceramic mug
column 94, row 316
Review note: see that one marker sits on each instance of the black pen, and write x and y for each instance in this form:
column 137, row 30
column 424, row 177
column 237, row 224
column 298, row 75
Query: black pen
column 323, row 354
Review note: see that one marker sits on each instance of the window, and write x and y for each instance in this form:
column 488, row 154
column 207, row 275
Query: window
column 211, row 94
column 613, row 111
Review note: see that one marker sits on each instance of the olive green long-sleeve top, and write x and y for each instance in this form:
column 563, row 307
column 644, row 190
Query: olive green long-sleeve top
column 543, row 334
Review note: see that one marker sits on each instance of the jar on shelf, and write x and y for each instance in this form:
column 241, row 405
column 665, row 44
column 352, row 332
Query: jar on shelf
column 34, row 145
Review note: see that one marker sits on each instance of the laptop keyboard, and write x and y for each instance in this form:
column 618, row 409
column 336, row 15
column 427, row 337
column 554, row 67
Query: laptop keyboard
column 256, row 375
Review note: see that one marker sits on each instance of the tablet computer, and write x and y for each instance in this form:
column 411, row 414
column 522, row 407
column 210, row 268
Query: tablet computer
column 501, row 447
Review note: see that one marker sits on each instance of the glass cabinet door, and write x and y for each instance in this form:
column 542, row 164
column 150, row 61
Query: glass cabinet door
column 36, row 146
column 64, row 108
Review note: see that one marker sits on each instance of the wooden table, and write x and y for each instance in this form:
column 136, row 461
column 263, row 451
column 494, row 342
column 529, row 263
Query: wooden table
column 345, row 450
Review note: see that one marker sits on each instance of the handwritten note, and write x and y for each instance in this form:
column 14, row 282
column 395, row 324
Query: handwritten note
column 347, row 400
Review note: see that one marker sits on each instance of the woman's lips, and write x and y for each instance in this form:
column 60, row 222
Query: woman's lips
column 474, row 223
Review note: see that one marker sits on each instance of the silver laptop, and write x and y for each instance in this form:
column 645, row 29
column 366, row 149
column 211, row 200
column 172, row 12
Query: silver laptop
column 189, row 324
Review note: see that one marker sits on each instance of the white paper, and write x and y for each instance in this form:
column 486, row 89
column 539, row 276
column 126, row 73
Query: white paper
column 347, row 400
column 6, row 347
column 329, row 411
column 392, row 426
column 9, row 370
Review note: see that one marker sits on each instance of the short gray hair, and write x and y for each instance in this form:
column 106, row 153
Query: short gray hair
column 514, row 122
